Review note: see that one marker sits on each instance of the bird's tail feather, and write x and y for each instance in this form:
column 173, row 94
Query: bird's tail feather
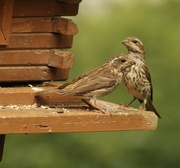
column 149, row 107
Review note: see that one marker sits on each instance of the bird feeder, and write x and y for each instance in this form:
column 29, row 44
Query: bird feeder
column 34, row 37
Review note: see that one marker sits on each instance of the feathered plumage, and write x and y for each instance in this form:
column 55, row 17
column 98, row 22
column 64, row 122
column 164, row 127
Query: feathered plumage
column 95, row 83
column 137, row 78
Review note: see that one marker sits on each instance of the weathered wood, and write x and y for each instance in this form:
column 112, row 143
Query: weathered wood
column 44, row 24
column 44, row 8
column 40, row 24
column 38, row 41
column 64, row 26
column 32, row 73
column 40, row 120
column 2, row 39
column 6, row 10
column 2, row 141
column 54, row 57
column 26, row 96
column 19, row 114
column 61, row 59
column 24, row 57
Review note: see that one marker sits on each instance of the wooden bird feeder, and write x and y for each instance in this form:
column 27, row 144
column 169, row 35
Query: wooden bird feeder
column 33, row 38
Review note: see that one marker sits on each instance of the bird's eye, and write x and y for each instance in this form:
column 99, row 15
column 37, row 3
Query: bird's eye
column 123, row 60
column 135, row 41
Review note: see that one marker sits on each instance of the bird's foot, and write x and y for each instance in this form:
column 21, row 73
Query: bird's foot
column 100, row 110
column 94, row 107
column 124, row 105
column 141, row 108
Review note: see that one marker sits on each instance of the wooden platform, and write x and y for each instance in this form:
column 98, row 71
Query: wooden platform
column 22, row 112
column 20, row 120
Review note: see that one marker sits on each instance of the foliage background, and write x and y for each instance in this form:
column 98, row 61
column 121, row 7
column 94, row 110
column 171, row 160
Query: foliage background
column 102, row 26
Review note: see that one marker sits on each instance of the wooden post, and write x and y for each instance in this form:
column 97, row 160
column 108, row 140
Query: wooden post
column 2, row 141
column 6, row 11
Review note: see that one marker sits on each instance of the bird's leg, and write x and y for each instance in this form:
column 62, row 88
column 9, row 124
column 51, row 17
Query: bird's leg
column 142, row 107
column 94, row 100
column 93, row 106
column 132, row 101
column 127, row 105
column 145, row 102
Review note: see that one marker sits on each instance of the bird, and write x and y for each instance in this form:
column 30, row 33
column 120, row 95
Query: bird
column 137, row 78
column 95, row 83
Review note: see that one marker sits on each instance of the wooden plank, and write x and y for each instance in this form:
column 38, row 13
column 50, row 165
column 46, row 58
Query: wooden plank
column 54, row 57
column 2, row 141
column 44, row 24
column 38, row 41
column 40, row 120
column 2, row 38
column 6, row 10
column 26, row 96
column 24, row 57
column 61, row 59
column 32, row 73
column 19, row 113
column 40, row 24
column 64, row 26
column 31, row 8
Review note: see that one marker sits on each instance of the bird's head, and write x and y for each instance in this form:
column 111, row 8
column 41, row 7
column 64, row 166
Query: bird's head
column 121, row 61
column 134, row 45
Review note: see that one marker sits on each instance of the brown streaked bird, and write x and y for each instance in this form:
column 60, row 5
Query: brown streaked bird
column 95, row 83
column 137, row 78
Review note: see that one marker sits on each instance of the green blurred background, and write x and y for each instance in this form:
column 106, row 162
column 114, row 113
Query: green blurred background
column 102, row 26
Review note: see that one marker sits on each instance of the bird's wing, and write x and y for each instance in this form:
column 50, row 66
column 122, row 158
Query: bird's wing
column 88, row 84
column 149, row 79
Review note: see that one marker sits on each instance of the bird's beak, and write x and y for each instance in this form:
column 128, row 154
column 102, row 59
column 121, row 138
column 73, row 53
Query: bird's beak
column 125, row 42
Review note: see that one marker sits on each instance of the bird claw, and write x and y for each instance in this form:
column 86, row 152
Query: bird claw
column 141, row 108
column 124, row 105
column 99, row 110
